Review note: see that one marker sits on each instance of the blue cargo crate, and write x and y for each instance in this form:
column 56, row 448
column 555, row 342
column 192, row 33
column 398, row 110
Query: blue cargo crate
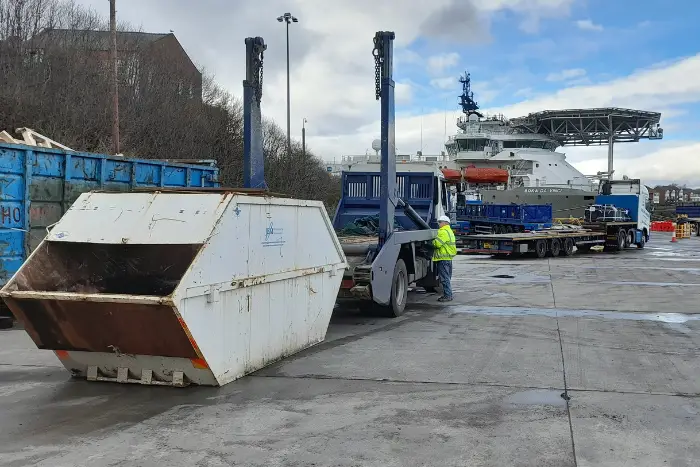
column 38, row 185
column 692, row 211
column 507, row 213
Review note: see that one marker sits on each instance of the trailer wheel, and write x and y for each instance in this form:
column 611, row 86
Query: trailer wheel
column 568, row 247
column 541, row 248
column 555, row 247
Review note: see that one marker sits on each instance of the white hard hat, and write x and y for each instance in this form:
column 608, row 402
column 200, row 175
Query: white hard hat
column 444, row 219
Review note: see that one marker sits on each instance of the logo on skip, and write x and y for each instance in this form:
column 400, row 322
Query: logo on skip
column 273, row 236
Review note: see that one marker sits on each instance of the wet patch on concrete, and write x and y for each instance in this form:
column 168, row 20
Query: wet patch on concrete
column 536, row 397
column 571, row 313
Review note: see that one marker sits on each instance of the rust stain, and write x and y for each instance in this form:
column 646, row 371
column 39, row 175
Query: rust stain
column 190, row 338
column 199, row 363
column 103, row 326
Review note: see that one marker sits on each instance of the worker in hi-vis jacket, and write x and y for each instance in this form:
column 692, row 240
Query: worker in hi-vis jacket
column 445, row 249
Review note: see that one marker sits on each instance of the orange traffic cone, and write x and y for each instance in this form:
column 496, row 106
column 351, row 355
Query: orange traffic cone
column 673, row 236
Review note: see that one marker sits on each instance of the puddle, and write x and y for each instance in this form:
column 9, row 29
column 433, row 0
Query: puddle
column 677, row 318
column 536, row 397
column 672, row 318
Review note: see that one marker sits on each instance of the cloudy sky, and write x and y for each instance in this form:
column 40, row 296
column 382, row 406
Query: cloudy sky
column 524, row 56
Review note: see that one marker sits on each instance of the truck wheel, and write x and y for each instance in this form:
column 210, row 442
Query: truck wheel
column 509, row 229
column 568, row 247
column 641, row 244
column 555, row 247
column 399, row 291
column 496, row 229
column 621, row 240
column 541, row 248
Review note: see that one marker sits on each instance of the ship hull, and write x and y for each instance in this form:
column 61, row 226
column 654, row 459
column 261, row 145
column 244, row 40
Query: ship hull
column 566, row 202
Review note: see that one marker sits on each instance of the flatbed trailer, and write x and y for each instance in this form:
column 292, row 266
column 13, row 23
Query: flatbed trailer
column 613, row 236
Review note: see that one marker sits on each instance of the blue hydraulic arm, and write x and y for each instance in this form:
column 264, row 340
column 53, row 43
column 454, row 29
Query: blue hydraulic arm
column 384, row 92
column 253, row 159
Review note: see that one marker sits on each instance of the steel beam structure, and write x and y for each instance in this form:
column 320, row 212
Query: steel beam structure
column 584, row 127
column 253, row 159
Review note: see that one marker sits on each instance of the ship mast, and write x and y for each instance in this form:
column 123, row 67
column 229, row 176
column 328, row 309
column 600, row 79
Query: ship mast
column 466, row 101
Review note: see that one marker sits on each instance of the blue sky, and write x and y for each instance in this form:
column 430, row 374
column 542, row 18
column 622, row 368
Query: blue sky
column 524, row 56
column 597, row 42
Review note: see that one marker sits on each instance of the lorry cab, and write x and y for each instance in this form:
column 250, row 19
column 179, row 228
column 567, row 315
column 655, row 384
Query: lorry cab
column 631, row 195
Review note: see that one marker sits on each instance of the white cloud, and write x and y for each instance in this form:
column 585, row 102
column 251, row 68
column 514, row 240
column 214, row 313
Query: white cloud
column 671, row 161
column 438, row 64
column 523, row 92
column 403, row 93
column 448, row 82
column 332, row 77
column 566, row 74
column 588, row 25
column 647, row 89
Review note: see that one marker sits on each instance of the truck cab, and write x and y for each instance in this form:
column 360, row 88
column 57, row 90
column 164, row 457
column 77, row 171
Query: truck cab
column 632, row 196
column 422, row 188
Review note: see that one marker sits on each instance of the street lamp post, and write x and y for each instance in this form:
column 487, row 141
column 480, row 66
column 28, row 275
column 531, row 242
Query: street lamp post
column 303, row 137
column 288, row 18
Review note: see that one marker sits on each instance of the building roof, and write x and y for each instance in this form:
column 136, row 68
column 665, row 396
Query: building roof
column 97, row 40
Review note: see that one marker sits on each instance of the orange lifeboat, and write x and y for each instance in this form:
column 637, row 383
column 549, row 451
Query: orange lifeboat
column 485, row 175
column 452, row 175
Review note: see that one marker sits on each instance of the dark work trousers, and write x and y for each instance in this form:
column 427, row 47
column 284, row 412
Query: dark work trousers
column 444, row 269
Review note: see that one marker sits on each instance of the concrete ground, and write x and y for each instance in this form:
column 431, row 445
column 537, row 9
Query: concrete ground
column 584, row 361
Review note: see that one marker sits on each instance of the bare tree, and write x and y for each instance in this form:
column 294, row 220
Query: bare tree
column 54, row 78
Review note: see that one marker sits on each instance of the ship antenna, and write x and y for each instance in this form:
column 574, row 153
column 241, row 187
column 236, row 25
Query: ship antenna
column 467, row 102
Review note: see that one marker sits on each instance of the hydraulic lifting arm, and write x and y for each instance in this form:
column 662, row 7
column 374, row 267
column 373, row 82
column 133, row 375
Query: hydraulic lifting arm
column 384, row 92
column 253, row 159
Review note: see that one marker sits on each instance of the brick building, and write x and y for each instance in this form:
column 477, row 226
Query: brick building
column 141, row 57
column 664, row 194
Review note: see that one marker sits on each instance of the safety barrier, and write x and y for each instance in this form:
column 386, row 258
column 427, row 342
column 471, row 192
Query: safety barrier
column 662, row 226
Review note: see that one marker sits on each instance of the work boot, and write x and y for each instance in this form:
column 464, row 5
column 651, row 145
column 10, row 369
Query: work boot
column 444, row 299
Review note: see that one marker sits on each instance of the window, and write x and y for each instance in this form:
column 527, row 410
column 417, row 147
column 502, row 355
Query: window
column 472, row 144
column 524, row 144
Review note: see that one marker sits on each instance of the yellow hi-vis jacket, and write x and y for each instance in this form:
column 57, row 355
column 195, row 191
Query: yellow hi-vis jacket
column 445, row 245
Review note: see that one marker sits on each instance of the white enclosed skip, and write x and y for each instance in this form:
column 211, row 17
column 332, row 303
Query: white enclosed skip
column 175, row 288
